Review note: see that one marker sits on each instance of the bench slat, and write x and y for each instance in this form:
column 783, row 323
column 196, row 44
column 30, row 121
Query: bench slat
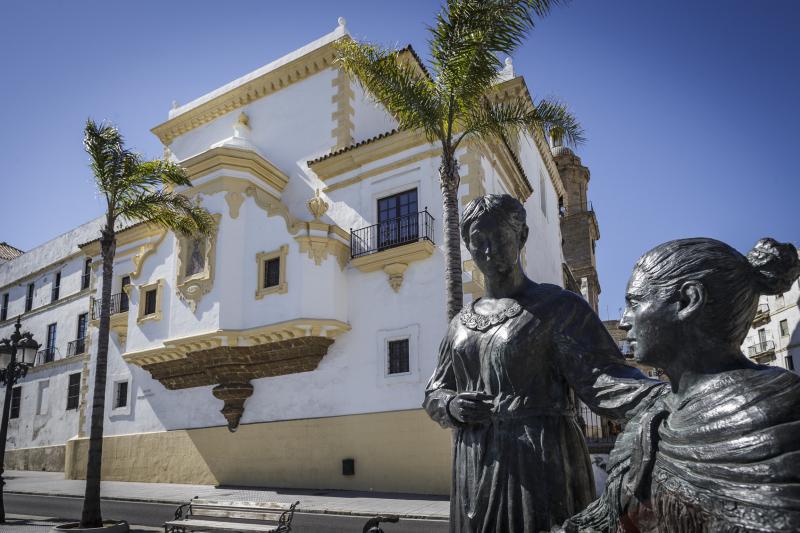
column 248, row 505
column 231, row 512
column 210, row 525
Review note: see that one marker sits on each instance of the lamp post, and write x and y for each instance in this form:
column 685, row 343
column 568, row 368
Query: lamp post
column 11, row 369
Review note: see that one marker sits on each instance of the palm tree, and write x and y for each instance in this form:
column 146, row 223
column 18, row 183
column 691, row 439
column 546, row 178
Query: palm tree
column 453, row 105
column 134, row 190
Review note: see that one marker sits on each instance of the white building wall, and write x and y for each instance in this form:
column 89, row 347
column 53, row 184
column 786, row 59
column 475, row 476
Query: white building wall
column 782, row 307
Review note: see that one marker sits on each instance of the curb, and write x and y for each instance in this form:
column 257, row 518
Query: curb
column 340, row 512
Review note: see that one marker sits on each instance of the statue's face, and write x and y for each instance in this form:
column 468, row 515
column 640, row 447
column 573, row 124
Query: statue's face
column 650, row 319
column 494, row 246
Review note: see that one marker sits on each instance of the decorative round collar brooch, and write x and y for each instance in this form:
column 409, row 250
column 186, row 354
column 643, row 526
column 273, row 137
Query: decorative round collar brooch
column 479, row 322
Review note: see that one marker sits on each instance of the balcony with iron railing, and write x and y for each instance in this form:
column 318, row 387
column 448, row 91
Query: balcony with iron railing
column 762, row 314
column 45, row 355
column 575, row 209
column 391, row 233
column 761, row 349
column 76, row 347
column 600, row 432
column 119, row 304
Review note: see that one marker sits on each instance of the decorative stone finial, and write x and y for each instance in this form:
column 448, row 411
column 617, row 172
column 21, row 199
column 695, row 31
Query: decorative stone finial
column 174, row 104
column 342, row 22
column 317, row 206
column 509, row 63
column 241, row 129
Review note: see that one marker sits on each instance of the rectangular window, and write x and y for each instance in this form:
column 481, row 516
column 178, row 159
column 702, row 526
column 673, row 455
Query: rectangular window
column 272, row 272
column 16, row 400
column 29, row 298
column 123, row 297
column 73, row 390
column 56, row 290
column 150, row 301
column 87, row 274
column 542, row 194
column 762, row 335
column 398, row 219
column 784, row 324
column 789, row 362
column 398, row 356
column 120, row 394
column 4, row 308
column 50, row 347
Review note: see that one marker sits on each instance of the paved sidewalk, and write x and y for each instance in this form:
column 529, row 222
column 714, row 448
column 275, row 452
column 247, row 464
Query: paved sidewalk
column 311, row 501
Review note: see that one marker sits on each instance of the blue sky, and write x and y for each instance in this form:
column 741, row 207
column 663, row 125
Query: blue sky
column 692, row 128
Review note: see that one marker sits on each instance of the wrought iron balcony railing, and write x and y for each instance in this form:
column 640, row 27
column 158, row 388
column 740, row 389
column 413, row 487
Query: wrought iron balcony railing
column 760, row 348
column 584, row 207
column 390, row 233
column 76, row 347
column 45, row 355
column 119, row 304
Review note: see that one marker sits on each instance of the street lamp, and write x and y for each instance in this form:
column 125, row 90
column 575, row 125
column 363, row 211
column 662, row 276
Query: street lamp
column 23, row 346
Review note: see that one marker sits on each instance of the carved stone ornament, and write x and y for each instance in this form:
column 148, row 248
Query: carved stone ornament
column 317, row 206
column 195, row 275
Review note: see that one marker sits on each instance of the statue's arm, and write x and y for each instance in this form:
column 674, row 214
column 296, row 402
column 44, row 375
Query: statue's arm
column 592, row 364
column 441, row 388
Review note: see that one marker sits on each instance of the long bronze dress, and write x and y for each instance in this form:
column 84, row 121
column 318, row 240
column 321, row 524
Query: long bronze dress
column 529, row 468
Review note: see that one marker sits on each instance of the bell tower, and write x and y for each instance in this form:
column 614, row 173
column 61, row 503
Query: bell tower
column 579, row 229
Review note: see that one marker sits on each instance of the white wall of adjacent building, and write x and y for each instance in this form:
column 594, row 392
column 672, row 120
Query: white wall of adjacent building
column 775, row 338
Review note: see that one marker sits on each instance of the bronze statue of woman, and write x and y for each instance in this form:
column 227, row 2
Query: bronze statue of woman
column 520, row 461
column 719, row 451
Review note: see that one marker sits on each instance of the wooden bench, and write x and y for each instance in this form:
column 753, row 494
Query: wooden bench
column 210, row 515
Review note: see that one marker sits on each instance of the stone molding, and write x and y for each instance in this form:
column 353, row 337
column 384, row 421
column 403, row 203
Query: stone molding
column 395, row 261
column 191, row 289
column 145, row 251
column 342, row 117
column 270, row 82
column 158, row 285
column 232, row 158
column 419, row 156
column 261, row 259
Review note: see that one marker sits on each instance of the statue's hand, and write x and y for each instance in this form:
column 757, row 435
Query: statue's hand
column 471, row 407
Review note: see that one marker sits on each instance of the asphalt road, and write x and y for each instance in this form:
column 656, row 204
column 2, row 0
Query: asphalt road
column 155, row 514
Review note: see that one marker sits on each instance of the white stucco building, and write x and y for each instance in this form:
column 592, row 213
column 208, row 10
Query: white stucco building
column 309, row 322
column 774, row 337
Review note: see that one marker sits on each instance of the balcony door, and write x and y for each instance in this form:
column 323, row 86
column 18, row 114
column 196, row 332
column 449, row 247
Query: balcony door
column 123, row 297
column 398, row 219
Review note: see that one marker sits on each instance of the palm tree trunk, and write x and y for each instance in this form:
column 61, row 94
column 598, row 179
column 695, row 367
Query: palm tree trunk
column 91, row 516
column 449, row 180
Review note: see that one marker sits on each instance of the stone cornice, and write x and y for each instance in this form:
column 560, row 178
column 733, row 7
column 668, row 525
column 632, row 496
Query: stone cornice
column 179, row 348
column 235, row 159
column 270, row 82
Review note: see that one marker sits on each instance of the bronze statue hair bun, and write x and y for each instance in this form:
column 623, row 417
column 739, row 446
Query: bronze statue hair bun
column 775, row 266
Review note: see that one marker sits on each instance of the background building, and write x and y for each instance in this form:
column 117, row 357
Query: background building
column 774, row 337
column 296, row 341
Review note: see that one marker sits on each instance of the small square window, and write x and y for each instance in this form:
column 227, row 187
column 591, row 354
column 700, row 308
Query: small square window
column 73, row 390
column 16, row 400
column 784, row 324
column 271, row 272
column 120, row 394
column 150, row 301
column 398, row 357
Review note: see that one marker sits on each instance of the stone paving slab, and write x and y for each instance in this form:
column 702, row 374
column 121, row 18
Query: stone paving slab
column 359, row 503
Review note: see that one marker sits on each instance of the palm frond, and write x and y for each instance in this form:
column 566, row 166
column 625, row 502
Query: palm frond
column 505, row 119
column 470, row 36
column 101, row 142
column 166, row 209
column 406, row 93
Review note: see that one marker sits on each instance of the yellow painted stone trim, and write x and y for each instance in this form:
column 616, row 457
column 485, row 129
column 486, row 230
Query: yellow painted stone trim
column 230, row 158
column 396, row 451
column 420, row 156
column 367, row 153
column 318, row 248
column 158, row 286
column 395, row 261
column 177, row 348
column 476, row 287
column 473, row 178
column 344, row 127
column 191, row 289
column 145, row 251
column 130, row 235
column 262, row 258
column 269, row 83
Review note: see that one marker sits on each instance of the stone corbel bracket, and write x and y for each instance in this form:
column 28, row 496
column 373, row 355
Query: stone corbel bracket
column 320, row 239
column 231, row 359
column 394, row 261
